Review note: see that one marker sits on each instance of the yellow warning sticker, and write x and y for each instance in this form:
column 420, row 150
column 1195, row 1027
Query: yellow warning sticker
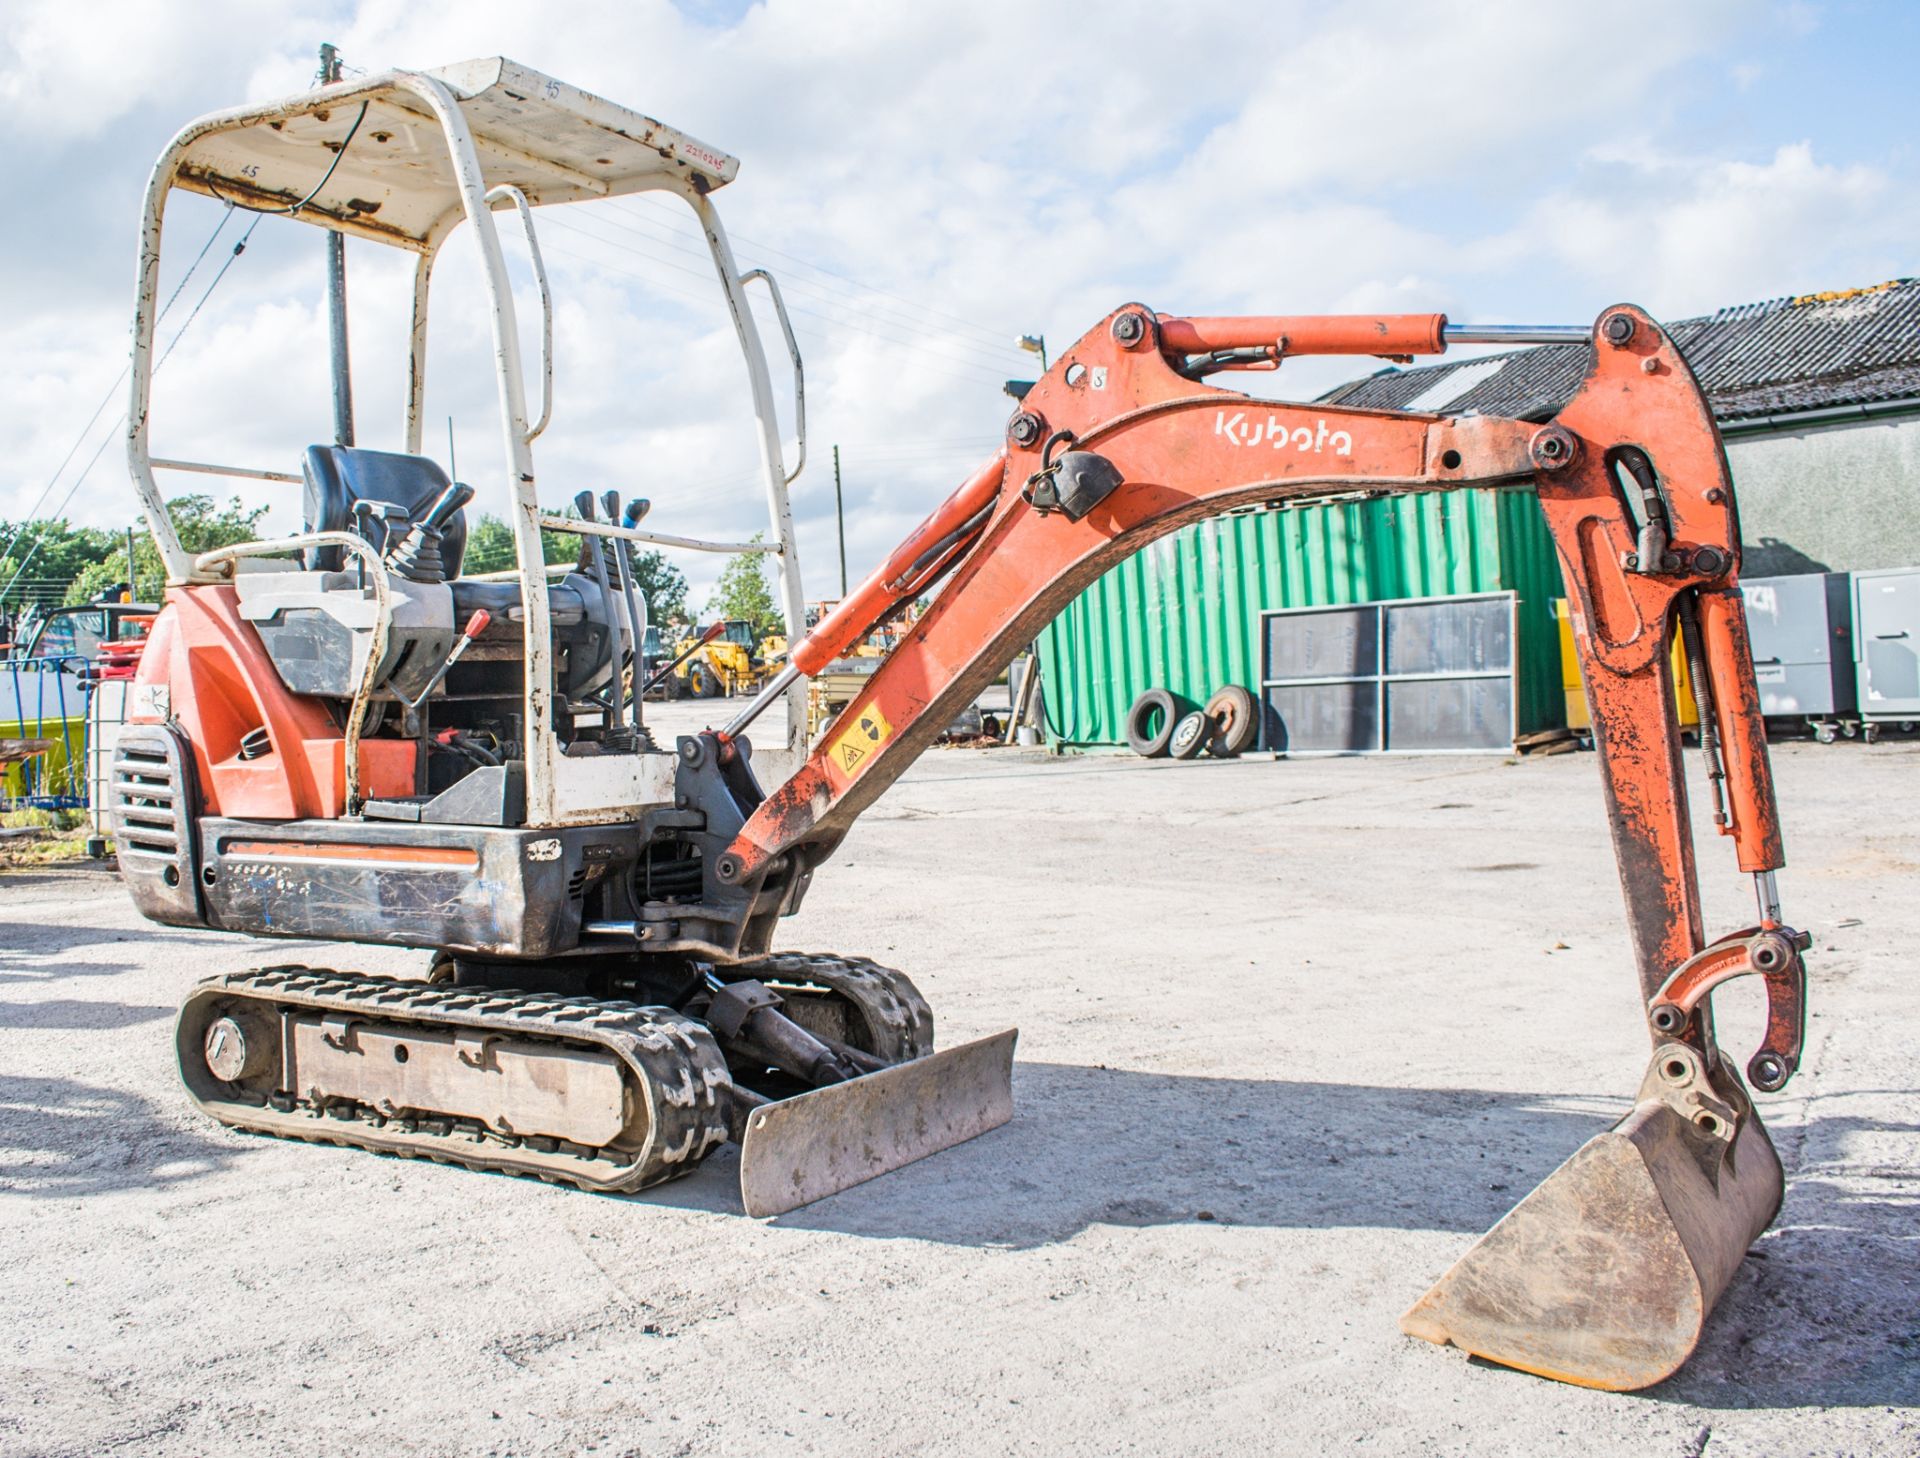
column 868, row 731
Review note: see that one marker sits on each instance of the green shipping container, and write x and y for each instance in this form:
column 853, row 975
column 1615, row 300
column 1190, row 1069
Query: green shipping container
column 1184, row 613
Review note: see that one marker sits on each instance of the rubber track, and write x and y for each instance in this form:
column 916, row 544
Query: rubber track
column 682, row 1064
column 898, row 1016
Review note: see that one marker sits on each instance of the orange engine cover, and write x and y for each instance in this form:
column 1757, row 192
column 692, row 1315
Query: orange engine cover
column 220, row 687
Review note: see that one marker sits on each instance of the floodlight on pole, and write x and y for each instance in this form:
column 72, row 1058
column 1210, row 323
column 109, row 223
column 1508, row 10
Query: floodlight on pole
column 1034, row 344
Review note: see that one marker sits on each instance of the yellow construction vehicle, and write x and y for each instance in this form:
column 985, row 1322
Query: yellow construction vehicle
column 737, row 661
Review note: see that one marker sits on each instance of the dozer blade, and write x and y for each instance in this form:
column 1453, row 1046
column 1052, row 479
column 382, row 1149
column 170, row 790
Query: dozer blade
column 805, row 1148
column 1605, row 1274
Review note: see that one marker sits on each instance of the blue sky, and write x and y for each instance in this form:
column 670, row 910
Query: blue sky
column 932, row 179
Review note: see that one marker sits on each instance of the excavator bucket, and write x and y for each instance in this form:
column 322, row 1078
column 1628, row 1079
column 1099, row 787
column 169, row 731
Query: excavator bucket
column 1604, row 1275
column 805, row 1148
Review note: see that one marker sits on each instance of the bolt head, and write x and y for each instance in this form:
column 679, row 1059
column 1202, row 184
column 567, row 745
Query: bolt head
column 1024, row 429
column 1767, row 1072
column 1129, row 328
column 1554, row 448
column 1618, row 329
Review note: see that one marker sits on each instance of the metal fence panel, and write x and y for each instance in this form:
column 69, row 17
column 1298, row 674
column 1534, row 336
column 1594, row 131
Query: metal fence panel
column 44, row 701
column 1430, row 675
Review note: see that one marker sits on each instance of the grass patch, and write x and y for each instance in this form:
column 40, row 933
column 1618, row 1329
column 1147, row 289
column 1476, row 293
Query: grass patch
column 66, row 836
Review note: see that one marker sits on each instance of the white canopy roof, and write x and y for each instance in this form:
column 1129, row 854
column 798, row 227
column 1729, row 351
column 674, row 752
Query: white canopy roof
column 396, row 182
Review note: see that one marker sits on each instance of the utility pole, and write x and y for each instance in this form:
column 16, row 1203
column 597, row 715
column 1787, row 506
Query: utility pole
column 133, row 580
column 337, row 295
column 840, row 516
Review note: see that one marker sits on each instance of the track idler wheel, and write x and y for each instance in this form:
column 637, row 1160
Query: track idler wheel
column 1604, row 1275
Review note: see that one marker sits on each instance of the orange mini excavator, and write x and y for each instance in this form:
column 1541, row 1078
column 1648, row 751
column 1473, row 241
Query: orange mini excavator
column 338, row 735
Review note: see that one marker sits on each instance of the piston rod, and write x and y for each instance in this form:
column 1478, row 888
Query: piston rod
column 1516, row 333
column 775, row 686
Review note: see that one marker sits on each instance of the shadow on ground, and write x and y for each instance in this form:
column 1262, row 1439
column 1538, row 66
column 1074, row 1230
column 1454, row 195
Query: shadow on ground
column 60, row 1138
column 68, row 1013
column 1823, row 1312
column 1094, row 1146
column 1826, row 1307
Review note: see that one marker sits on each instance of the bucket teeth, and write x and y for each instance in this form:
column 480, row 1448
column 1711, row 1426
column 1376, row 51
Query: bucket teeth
column 1604, row 1276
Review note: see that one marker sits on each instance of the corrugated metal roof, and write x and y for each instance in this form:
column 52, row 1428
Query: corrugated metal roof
column 1813, row 352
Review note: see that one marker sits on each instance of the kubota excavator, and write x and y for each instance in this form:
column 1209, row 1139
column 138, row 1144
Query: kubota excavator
column 336, row 735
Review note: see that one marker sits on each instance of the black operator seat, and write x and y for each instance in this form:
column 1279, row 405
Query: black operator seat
column 338, row 476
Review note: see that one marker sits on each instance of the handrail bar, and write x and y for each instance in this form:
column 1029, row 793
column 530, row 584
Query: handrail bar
column 799, row 374
column 207, row 468
column 661, row 539
column 519, row 199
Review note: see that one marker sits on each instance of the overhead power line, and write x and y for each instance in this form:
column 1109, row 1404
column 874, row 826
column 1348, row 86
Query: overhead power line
column 107, row 399
column 59, row 512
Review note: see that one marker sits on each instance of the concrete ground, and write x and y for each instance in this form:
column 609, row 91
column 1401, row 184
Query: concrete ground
column 1292, row 1035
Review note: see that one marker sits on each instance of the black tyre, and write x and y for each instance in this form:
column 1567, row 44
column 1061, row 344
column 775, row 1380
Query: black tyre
column 1190, row 735
column 1236, row 725
column 1150, row 723
column 703, row 682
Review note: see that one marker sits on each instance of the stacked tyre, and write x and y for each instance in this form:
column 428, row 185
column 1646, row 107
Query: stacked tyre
column 1160, row 725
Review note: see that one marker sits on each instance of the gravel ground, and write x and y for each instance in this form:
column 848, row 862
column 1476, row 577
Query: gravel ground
column 1292, row 1035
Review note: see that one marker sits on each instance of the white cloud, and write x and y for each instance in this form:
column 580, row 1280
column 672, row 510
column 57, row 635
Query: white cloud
column 1685, row 234
column 982, row 170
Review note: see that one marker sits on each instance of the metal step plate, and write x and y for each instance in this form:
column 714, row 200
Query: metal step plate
column 806, row 1148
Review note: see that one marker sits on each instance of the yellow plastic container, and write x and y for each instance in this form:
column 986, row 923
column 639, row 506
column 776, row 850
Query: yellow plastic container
column 1577, row 715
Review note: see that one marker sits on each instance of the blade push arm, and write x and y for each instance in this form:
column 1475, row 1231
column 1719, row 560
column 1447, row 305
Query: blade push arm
column 1119, row 445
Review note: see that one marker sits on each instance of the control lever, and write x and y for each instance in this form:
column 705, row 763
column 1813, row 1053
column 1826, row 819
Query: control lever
column 636, row 615
column 476, row 625
column 366, row 512
column 597, row 561
column 417, row 557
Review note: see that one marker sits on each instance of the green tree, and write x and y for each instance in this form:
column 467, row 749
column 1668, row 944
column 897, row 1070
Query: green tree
column 202, row 525
column 490, row 546
column 662, row 584
column 42, row 557
column 743, row 591
column 658, row 581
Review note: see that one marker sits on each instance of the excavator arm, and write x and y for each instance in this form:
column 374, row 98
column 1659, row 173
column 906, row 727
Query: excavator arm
column 1605, row 1274
column 1120, row 445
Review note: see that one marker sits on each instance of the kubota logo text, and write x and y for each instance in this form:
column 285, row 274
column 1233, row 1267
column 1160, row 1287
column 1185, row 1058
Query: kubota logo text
column 1275, row 432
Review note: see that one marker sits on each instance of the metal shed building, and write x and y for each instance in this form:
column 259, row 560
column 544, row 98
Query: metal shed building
column 1184, row 613
column 1818, row 397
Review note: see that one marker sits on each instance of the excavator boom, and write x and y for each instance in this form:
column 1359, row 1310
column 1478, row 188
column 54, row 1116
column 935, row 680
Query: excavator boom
column 1606, row 1274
